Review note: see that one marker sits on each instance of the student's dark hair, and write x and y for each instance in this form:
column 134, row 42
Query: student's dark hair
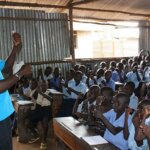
column 124, row 96
column 131, row 84
column 100, row 71
column 134, row 64
column 111, row 93
column 94, row 86
column 79, row 72
column 143, row 103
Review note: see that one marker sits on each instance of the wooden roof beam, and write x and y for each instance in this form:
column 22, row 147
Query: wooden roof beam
column 83, row 2
column 5, row 3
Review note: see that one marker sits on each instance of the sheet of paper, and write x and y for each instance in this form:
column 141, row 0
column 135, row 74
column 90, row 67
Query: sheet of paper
column 24, row 102
column 94, row 140
column 52, row 91
column 17, row 66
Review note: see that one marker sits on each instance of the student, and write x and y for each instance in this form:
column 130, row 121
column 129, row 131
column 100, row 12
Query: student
column 100, row 77
column 137, row 140
column 55, row 82
column 6, row 107
column 83, row 109
column 103, row 104
column 48, row 74
column 134, row 75
column 129, row 88
column 117, row 121
column 74, row 88
column 82, row 68
column 108, row 80
column 90, row 79
column 41, row 113
column 119, row 75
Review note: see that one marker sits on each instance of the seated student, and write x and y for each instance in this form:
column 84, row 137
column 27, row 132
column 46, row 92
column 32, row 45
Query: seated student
column 103, row 104
column 130, row 61
column 55, row 82
column 100, row 77
column 137, row 140
column 103, row 65
column 90, row 79
column 112, row 66
column 69, row 78
column 108, row 80
column 32, row 92
column 117, row 121
column 107, row 98
column 129, row 89
column 82, row 68
column 118, row 75
column 81, row 110
column 74, row 88
column 134, row 75
column 41, row 113
column 48, row 73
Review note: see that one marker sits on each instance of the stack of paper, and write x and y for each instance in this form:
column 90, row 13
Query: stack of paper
column 94, row 140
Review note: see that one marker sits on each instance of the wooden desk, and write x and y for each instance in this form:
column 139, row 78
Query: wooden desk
column 70, row 131
column 22, row 111
column 57, row 101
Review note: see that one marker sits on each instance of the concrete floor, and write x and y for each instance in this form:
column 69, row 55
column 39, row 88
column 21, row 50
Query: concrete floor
column 36, row 146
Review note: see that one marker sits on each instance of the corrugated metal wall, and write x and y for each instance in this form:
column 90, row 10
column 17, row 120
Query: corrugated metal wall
column 45, row 36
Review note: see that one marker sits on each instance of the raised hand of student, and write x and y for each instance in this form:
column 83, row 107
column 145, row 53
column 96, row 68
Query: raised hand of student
column 25, row 70
column 17, row 40
column 146, row 131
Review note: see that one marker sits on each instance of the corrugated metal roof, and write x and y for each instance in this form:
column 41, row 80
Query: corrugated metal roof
column 106, row 9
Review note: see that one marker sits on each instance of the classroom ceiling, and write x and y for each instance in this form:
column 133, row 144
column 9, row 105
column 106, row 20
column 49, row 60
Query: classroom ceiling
column 115, row 10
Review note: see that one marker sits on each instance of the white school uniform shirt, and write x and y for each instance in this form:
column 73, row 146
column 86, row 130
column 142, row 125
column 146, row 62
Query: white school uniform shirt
column 79, row 109
column 81, row 87
column 99, row 80
column 50, row 76
column 147, row 75
column 118, row 139
column 84, row 78
column 131, row 76
column 43, row 101
column 131, row 141
column 64, row 90
column 133, row 104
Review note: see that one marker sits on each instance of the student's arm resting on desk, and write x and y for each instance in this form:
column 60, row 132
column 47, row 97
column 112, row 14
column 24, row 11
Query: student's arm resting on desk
column 74, row 91
column 46, row 96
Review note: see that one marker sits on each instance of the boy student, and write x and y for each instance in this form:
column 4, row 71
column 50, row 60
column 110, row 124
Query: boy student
column 74, row 88
column 103, row 104
column 129, row 89
column 108, row 80
column 83, row 109
column 117, row 121
column 137, row 137
column 41, row 113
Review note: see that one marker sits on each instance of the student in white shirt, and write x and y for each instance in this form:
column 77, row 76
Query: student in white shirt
column 41, row 113
column 117, row 121
column 74, row 88
column 134, row 75
column 137, row 139
column 129, row 89
column 83, row 109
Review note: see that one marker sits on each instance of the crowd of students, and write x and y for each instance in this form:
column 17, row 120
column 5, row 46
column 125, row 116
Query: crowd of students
column 112, row 98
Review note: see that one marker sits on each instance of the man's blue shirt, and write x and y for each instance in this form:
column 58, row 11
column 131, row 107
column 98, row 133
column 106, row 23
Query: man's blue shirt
column 6, row 107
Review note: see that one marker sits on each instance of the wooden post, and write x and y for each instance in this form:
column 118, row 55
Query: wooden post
column 71, row 34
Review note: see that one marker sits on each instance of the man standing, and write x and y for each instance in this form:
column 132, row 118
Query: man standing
column 6, row 107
